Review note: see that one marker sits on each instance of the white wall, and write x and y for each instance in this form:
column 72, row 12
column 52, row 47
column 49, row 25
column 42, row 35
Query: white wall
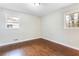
column 50, row 26
column 29, row 27
column 53, row 28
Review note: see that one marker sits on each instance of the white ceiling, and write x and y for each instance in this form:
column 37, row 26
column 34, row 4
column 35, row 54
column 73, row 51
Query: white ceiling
column 29, row 8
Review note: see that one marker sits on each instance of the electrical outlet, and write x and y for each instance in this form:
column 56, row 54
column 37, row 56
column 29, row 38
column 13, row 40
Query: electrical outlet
column 15, row 39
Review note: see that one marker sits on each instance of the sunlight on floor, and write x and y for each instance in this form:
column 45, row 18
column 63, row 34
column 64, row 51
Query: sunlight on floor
column 14, row 53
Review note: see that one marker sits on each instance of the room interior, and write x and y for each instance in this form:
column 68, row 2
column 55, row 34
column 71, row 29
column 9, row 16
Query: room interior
column 38, row 29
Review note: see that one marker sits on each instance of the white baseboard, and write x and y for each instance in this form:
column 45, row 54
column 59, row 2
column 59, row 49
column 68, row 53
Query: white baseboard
column 4, row 44
column 60, row 43
column 18, row 41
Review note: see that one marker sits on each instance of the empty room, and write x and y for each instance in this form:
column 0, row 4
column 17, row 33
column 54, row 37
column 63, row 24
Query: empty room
column 39, row 29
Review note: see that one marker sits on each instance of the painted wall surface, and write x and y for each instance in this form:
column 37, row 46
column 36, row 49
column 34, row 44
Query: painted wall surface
column 53, row 28
column 50, row 26
column 29, row 27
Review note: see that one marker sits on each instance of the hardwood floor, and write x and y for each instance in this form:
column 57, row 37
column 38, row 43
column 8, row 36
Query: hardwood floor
column 37, row 47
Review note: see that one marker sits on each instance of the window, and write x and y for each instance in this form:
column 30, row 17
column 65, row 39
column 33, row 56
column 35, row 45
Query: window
column 12, row 23
column 72, row 19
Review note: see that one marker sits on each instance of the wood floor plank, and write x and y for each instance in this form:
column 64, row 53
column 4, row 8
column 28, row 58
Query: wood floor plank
column 37, row 47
